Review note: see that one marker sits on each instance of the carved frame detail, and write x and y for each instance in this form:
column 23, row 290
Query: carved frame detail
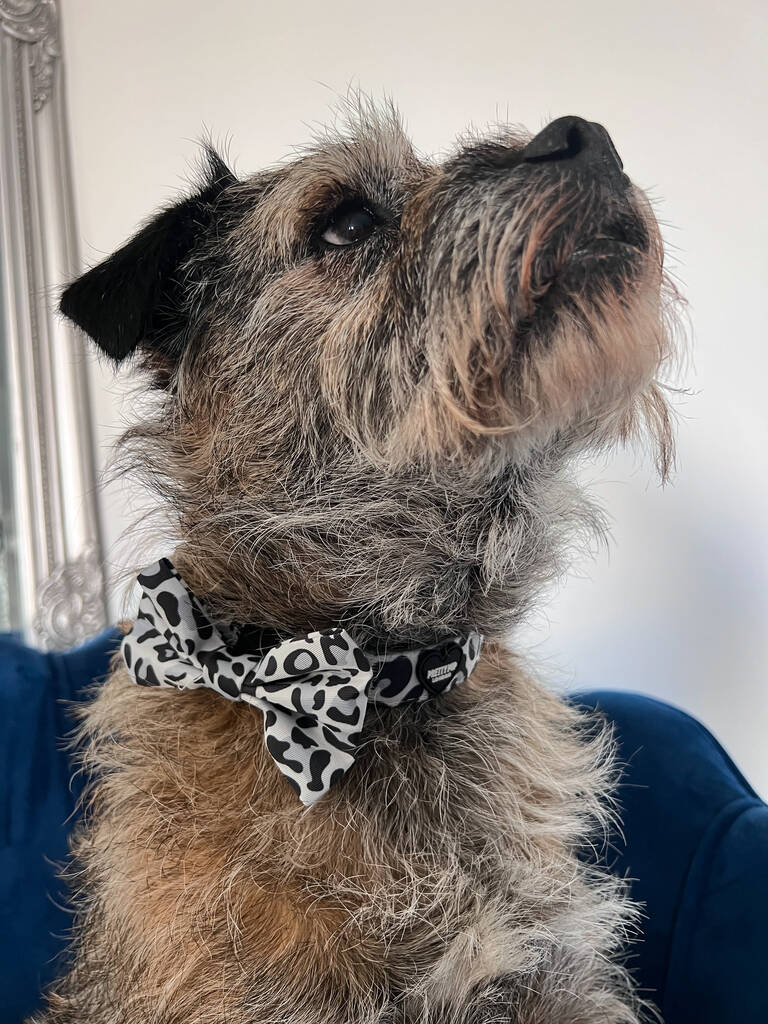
column 55, row 547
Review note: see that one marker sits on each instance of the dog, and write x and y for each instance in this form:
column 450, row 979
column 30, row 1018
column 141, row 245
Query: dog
column 371, row 375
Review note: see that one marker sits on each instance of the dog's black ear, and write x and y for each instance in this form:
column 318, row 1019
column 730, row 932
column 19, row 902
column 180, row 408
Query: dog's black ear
column 137, row 296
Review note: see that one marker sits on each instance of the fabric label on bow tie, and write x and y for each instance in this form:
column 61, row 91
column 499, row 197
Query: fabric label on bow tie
column 437, row 667
column 313, row 690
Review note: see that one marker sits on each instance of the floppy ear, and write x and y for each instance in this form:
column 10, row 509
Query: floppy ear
column 137, row 295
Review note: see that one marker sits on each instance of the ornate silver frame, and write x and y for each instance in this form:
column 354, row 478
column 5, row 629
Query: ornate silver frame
column 55, row 551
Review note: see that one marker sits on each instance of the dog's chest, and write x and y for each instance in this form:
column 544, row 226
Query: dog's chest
column 437, row 847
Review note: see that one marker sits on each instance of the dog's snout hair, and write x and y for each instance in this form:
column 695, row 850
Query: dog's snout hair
column 546, row 285
column 372, row 372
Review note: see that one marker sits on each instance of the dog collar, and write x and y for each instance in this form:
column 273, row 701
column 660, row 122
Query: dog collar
column 313, row 689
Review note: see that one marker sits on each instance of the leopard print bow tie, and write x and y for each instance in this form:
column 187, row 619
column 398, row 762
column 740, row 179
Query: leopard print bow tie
column 313, row 690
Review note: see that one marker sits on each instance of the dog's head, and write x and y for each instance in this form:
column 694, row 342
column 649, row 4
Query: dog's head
column 362, row 349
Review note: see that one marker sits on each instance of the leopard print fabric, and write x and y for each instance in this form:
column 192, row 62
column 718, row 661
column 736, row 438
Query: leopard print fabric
column 313, row 690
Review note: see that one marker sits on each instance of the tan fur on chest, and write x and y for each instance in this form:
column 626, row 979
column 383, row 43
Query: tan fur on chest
column 213, row 877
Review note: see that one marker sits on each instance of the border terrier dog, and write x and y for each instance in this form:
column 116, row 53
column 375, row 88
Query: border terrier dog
column 371, row 377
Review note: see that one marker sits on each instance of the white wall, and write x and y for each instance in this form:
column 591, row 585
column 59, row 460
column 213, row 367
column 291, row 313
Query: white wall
column 679, row 609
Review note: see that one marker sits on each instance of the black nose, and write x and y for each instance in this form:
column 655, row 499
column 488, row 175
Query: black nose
column 579, row 144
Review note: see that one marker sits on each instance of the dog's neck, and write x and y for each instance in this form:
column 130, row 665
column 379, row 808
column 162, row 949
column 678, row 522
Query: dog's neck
column 374, row 628
column 256, row 639
column 294, row 603
column 397, row 577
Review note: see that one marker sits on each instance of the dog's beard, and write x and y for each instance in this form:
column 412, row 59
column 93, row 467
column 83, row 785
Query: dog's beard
column 538, row 317
column 563, row 341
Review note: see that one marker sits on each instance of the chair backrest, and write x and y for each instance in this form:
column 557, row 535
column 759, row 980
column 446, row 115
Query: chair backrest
column 695, row 845
column 38, row 799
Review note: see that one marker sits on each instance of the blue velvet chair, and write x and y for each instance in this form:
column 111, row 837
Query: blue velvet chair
column 696, row 843
column 38, row 797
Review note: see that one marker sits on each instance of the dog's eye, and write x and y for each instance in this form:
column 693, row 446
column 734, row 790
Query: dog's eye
column 352, row 222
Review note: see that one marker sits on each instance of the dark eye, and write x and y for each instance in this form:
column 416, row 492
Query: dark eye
column 352, row 222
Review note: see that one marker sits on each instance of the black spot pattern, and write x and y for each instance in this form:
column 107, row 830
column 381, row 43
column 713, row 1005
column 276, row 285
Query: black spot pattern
column 347, row 693
column 157, row 575
column 170, row 606
column 300, row 737
column 278, row 750
column 165, row 652
column 276, row 687
column 227, row 685
column 204, row 627
column 350, row 718
column 150, row 677
column 333, row 740
column 318, row 762
column 331, row 642
column 299, row 662
column 313, row 690
column 399, row 674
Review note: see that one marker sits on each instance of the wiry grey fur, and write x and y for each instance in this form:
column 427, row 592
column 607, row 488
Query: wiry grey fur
column 378, row 436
